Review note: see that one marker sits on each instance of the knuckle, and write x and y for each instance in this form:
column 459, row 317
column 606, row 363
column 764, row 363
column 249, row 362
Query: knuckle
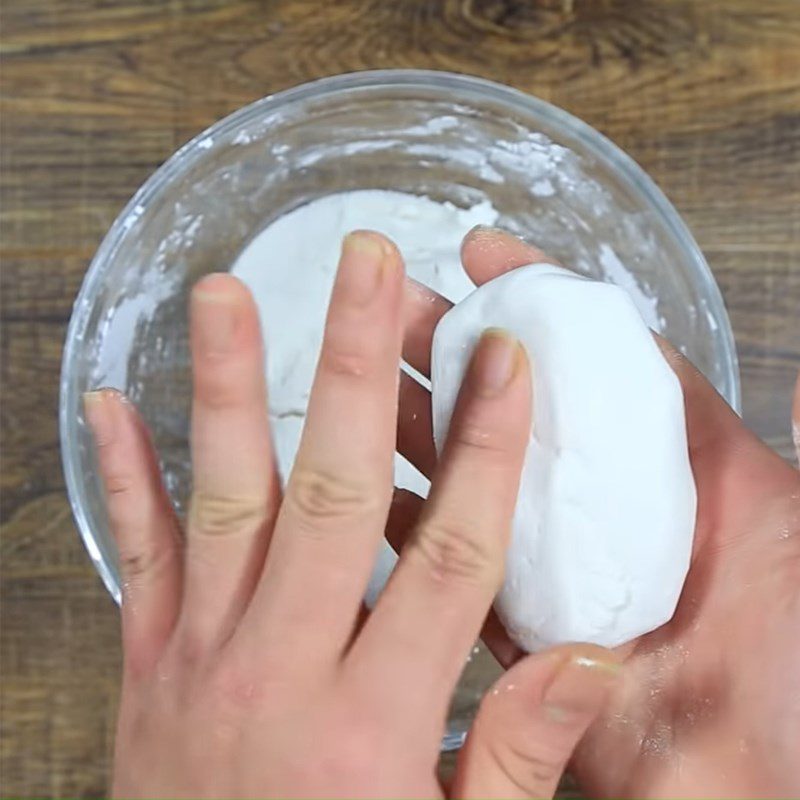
column 220, row 514
column 531, row 770
column 103, row 441
column 473, row 435
column 455, row 552
column 349, row 362
column 319, row 495
column 349, row 350
column 139, row 564
column 127, row 504
column 235, row 685
column 119, row 485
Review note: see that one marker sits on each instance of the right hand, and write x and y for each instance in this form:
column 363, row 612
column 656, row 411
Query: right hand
column 710, row 703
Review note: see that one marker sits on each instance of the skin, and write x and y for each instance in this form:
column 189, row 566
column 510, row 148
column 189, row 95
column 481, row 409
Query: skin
column 710, row 702
column 251, row 667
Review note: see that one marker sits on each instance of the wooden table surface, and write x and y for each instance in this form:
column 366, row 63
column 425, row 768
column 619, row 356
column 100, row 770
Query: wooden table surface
column 97, row 93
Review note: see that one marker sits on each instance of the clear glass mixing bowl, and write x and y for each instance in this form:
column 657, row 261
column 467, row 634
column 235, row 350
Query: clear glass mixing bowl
column 553, row 179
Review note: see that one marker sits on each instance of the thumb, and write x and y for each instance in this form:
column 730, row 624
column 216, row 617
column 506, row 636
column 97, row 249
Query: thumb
column 531, row 720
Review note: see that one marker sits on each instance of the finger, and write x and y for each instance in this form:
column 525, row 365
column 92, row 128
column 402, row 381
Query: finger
column 489, row 252
column 531, row 721
column 415, row 426
column 496, row 638
column 422, row 310
column 431, row 611
column 403, row 517
column 796, row 418
column 709, row 419
column 485, row 254
column 336, row 501
column 236, row 490
column 727, row 459
column 143, row 524
column 713, row 427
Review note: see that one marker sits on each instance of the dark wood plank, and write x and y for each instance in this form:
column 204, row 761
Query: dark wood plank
column 705, row 94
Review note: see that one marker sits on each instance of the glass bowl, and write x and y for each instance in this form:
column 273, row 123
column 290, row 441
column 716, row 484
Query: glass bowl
column 552, row 178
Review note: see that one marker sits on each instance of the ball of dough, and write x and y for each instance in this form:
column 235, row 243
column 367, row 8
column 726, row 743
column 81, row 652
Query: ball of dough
column 603, row 528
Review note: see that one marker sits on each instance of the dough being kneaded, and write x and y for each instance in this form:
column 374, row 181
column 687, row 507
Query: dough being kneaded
column 605, row 516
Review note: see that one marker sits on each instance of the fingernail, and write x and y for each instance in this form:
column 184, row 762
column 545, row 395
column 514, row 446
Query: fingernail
column 361, row 268
column 490, row 232
column 215, row 322
column 480, row 228
column 495, row 361
column 97, row 410
column 580, row 686
column 94, row 397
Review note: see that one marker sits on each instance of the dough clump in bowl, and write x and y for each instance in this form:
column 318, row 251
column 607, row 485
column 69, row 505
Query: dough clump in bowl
column 603, row 528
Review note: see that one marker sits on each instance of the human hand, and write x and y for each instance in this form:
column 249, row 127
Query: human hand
column 251, row 667
column 710, row 703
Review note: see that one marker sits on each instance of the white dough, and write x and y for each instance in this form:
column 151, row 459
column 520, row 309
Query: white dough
column 605, row 517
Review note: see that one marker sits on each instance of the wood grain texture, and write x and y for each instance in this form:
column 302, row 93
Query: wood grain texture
column 705, row 94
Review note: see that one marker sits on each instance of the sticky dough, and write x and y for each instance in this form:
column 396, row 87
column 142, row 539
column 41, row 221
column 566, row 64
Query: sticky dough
column 604, row 522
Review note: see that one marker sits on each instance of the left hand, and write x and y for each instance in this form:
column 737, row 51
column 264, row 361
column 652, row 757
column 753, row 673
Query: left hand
column 250, row 665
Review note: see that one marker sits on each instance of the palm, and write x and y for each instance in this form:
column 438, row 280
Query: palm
column 711, row 705
column 711, row 701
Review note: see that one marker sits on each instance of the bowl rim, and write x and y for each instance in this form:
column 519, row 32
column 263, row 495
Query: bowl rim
column 458, row 84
